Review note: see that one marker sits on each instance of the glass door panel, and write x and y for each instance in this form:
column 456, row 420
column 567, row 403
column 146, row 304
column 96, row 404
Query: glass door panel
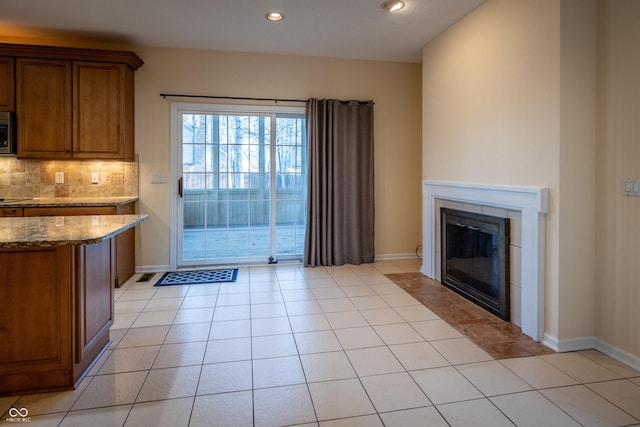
column 235, row 207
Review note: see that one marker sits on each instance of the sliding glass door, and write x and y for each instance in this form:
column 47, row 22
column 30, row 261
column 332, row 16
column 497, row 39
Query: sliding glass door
column 242, row 184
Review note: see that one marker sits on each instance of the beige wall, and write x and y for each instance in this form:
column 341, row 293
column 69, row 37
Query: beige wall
column 618, row 154
column 395, row 88
column 578, row 61
column 507, row 92
column 509, row 99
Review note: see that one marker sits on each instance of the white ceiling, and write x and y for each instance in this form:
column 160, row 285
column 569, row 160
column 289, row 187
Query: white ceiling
column 357, row 29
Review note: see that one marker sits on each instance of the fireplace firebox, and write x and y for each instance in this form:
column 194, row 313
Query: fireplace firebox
column 475, row 259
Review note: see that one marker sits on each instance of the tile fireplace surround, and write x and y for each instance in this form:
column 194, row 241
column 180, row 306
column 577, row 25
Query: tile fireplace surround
column 532, row 202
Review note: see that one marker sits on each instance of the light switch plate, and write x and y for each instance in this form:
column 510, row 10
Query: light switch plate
column 95, row 179
column 631, row 187
column 59, row 177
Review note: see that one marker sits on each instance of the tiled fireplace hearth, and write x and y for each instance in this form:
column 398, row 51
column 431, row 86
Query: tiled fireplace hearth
column 532, row 205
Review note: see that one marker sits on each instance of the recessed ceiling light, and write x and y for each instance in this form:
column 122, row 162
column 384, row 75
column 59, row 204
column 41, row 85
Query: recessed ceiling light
column 274, row 16
column 392, row 5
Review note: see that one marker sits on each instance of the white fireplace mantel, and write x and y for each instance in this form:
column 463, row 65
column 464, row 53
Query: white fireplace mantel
column 532, row 202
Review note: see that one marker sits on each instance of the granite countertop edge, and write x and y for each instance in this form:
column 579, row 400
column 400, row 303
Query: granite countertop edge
column 107, row 227
column 48, row 202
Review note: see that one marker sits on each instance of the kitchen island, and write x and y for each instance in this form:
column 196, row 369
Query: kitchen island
column 75, row 206
column 56, row 276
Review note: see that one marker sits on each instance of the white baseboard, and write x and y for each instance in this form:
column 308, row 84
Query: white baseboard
column 383, row 257
column 568, row 344
column 588, row 343
column 618, row 354
column 395, row 257
column 152, row 268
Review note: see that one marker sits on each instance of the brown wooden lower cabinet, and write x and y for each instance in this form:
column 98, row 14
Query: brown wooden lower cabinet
column 125, row 259
column 57, row 308
column 125, row 249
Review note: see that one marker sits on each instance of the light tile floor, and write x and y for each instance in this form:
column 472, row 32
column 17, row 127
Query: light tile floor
column 339, row 346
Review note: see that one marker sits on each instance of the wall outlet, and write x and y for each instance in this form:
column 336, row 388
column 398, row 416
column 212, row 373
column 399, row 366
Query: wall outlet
column 94, row 178
column 59, row 177
column 156, row 178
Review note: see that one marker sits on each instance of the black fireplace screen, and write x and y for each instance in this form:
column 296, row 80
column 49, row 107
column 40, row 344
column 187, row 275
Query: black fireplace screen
column 475, row 258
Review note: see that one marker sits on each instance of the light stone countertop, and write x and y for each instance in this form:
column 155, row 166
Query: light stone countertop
column 49, row 202
column 50, row 231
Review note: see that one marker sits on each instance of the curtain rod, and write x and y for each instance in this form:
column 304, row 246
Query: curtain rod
column 276, row 100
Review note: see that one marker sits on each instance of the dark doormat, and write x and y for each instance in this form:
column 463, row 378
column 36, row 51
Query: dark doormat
column 198, row 277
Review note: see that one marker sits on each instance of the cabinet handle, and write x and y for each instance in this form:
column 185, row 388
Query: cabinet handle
column 180, row 187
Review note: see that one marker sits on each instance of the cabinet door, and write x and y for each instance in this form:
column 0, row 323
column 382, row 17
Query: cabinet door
column 35, row 319
column 94, row 301
column 100, row 124
column 43, row 107
column 7, row 84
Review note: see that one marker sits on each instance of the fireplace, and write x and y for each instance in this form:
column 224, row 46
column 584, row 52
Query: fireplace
column 532, row 204
column 475, row 259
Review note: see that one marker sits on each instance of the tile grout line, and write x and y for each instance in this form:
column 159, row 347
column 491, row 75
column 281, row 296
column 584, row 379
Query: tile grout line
column 304, row 373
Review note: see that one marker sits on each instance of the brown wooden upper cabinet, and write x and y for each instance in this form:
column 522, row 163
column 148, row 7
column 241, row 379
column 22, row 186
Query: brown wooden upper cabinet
column 70, row 103
column 70, row 109
column 7, row 88
column 43, row 108
column 103, row 111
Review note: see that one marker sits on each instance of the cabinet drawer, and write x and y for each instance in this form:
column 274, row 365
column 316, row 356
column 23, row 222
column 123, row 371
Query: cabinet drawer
column 70, row 211
column 9, row 212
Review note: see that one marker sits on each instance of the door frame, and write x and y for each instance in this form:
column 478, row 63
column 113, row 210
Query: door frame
column 177, row 108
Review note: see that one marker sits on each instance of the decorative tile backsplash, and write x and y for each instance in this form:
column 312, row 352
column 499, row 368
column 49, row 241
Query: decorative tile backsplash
column 36, row 178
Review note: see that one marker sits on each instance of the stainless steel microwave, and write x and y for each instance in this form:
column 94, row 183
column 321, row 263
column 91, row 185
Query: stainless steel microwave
column 7, row 141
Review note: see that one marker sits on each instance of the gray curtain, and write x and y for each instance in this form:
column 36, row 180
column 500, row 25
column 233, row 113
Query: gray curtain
column 340, row 205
